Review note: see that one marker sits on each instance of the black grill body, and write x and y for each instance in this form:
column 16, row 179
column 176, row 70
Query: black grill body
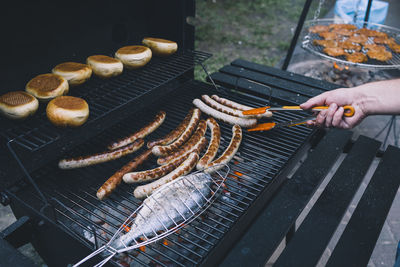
column 62, row 204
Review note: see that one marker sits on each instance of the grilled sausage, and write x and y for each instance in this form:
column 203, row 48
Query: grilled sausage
column 185, row 151
column 234, row 105
column 149, row 175
column 80, row 162
column 244, row 122
column 193, row 140
column 146, row 130
column 109, row 186
column 183, row 169
column 174, row 134
column 213, row 146
column 229, row 152
column 165, row 150
column 225, row 109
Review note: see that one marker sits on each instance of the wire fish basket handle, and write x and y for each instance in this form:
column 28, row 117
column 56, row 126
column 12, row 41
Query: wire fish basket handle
column 217, row 176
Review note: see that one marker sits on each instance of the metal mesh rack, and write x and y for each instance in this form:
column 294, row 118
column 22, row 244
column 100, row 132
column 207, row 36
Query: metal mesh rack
column 260, row 159
column 309, row 37
column 103, row 97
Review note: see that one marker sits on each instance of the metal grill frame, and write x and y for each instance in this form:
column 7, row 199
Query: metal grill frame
column 66, row 200
column 309, row 37
column 115, row 97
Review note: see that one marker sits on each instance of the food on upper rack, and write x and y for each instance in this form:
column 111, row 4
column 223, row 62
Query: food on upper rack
column 18, row 105
column 167, row 206
column 146, row 130
column 101, row 157
column 334, row 26
column 134, row 56
column 371, row 33
column 152, row 174
column 360, row 39
column 66, row 111
column 374, row 47
column 160, row 47
column 229, row 152
column 318, row 28
column 343, row 31
column 225, row 109
column 232, row 104
column 328, row 35
column 174, row 134
column 356, row 57
column 47, row 86
column 109, row 186
column 244, row 122
column 183, row 169
column 75, row 73
column 167, row 149
column 382, row 40
column 394, row 46
column 379, row 54
column 334, row 51
column 105, row 66
column 349, row 45
column 195, row 142
column 212, row 149
column 325, row 43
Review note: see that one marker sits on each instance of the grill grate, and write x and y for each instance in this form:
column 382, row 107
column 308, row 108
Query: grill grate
column 259, row 160
column 103, row 97
column 393, row 63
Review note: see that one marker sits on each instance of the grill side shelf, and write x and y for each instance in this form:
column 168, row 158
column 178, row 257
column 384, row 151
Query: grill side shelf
column 36, row 141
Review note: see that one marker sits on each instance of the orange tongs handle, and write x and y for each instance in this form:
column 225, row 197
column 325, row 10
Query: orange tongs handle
column 348, row 110
column 256, row 111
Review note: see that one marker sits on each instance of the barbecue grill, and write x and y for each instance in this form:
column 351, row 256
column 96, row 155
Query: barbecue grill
column 58, row 210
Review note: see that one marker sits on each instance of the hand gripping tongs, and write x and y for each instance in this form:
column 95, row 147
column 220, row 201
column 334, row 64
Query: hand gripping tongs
column 348, row 112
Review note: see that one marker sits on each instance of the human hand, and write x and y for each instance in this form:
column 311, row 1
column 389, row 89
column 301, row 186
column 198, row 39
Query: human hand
column 333, row 116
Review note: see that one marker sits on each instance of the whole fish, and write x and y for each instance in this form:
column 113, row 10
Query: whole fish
column 168, row 206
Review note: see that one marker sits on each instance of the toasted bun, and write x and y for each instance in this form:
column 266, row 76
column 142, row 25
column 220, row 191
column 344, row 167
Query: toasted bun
column 18, row 105
column 67, row 111
column 160, row 47
column 104, row 66
column 75, row 73
column 47, row 86
column 134, row 56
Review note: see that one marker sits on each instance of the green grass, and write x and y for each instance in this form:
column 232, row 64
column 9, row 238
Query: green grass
column 256, row 30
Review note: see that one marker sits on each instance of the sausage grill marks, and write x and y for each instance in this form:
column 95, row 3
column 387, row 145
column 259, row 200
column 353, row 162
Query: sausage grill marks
column 146, row 130
column 149, row 175
column 165, row 150
column 84, row 161
column 229, row 152
column 183, row 169
column 212, row 149
column 234, row 105
column 225, row 109
column 243, row 122
column 188, row 146
column 174, row 134
column 109, row 186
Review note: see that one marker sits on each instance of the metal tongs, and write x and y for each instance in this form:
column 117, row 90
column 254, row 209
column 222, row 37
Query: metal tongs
column 348, row 112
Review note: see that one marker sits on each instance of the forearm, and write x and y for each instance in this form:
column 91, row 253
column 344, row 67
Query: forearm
column 379, row 97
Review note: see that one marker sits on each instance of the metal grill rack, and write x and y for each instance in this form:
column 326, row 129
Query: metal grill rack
column 309, row 37
column 260, row 159
column 109, row 101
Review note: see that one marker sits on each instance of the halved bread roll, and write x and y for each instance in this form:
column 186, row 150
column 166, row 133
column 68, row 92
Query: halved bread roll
column 75, row 73
column 47, row 86
column 134, row 56
column 18, row 105
column 104, row 66
column 66, row 111
column 160, row 47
